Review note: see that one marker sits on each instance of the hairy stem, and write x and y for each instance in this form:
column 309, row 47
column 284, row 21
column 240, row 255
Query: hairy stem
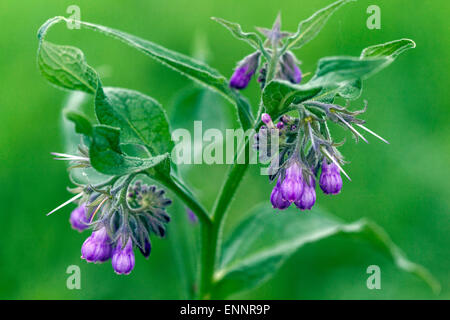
column 211, row 234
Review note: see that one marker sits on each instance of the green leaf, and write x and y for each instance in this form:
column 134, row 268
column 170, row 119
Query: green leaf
column 309, row 28
column 191, row 68
column 278, row 95
column 107, row 157
column 82, row 123
column 389, row 49
column 344, row 75
column 141, row 119
column 66, row 67
column 236, row 30
column 259, row 246
column 337, row 70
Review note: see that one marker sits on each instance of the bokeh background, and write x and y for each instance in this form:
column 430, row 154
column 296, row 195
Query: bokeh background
column 404, row 186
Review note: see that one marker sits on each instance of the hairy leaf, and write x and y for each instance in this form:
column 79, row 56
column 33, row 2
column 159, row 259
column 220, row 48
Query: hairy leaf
column 309, row 28
column 259, row 245
column 337, row 70
column 82, row 123
column 141, row 118
column 344, row 75
column 66, row 67
column 193, row 69
column 107, row 157
column 389, row 49
column 278, row 95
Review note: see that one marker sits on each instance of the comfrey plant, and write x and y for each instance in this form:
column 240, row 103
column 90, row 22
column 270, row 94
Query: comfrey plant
column 124, row 154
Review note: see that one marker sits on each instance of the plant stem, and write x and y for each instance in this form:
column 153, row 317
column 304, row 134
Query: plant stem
column 211, row 234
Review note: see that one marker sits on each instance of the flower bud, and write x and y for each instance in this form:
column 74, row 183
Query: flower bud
column 97, row 247
column 290, row 69
column 123, row 258
column 280, row 125
column 147, row 248
column 276, row 198
column 330, row 179
column 292, row 185
column 308, row 197
column 78, row 218
column 265, row 117
column 245, row 71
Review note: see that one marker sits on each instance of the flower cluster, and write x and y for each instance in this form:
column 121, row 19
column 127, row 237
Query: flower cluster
column 305, row 148
column 299, row 145
column 122, row 215
column 298, row 186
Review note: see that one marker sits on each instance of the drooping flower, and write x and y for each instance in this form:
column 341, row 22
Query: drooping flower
column 290, row 69
column 123, row 257
column 79, row 219
column 276, row 198
column 292, row 185
column 265, row 117
column 97, row 247
column 308, row 198
column 245, row 71
column 330, row 179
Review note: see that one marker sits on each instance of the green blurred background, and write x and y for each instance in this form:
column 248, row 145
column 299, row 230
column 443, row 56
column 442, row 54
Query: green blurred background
column 404, row 186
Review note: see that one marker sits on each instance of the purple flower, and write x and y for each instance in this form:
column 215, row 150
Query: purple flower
column 308, row 197
column 265, row 117
column 290, row 69
column 277, row 199
column 245, row 71
column 97, row 247
column 123, row 258
column 78, row 218
column 296, row 75
column 292, row 185
column 330, row 179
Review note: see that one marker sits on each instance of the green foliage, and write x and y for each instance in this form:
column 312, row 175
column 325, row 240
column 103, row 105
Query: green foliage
column 309, row 28
column 389, row 49
column 140, row 118
column 236, row 30
column 193, row 69
column 107, row 157
column 66, row 67
column 344, row 75
column 341, row 76
column 278, row 96
column 127, row 117
column 82, row 123
column 130, row 122
column 259, row 245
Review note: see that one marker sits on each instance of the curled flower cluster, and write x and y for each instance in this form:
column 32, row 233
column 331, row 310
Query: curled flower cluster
column 304, row 146
column 120, row 222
